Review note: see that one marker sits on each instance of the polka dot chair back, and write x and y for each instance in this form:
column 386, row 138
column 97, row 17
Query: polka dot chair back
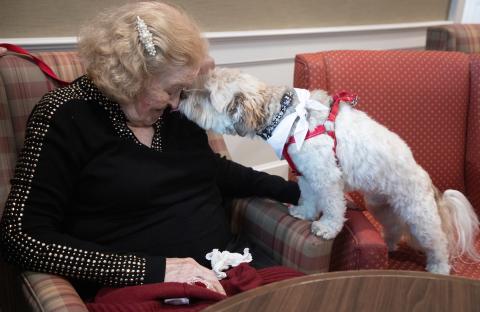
column 421, row 95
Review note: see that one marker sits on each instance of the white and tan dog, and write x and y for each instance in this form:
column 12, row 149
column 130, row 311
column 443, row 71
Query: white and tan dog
column 368, row 158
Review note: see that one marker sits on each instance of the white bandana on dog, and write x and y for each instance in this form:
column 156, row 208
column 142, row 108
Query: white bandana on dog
column 282, row 131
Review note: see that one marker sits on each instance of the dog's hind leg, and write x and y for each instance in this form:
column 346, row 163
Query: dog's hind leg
column 422, row 217
column 393, row 226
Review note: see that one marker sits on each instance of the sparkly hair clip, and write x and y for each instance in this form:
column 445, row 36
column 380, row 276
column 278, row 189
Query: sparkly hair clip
column 145, row 36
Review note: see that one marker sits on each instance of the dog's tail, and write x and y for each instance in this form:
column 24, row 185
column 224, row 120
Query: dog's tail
column 459, row 222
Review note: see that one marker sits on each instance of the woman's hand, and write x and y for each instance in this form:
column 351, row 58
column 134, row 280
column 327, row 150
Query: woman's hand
column 187, row 270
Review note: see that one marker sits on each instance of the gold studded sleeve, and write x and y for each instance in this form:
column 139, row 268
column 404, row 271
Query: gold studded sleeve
column 31, row 228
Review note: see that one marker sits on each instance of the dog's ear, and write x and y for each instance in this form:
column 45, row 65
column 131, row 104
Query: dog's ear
column 236, row 112
column 247, row 112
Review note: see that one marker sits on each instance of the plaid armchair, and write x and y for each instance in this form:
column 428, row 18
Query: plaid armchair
column 266, row 222
column 456, row 37
column 431, row 99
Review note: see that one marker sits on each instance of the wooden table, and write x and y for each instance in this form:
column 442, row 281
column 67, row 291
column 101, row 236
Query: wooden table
column 368, row 290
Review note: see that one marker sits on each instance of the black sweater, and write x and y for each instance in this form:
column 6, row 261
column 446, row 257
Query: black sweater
column 90, row 202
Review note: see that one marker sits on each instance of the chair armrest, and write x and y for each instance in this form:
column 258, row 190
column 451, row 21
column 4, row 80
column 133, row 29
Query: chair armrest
column 286, row 239
column 289, row 240
column 359, row 245
column 46, row 292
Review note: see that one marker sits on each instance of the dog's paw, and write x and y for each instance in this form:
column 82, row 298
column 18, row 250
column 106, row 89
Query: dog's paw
column 326, row 229
column 302, row 212
column 439, row 268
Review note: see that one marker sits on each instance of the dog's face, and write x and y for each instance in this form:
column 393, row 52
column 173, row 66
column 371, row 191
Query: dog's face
column 226, row 101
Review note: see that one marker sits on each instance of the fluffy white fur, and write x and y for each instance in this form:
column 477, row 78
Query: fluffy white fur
column 372, row 160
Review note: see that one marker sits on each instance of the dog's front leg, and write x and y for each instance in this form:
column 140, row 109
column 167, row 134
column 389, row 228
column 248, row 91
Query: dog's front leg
column 306, row 208
column 331, row 201
column 323, row 181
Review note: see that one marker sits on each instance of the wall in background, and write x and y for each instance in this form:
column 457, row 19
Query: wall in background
column 53, row 18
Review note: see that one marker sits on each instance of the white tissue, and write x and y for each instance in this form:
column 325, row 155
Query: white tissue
column 222, row 260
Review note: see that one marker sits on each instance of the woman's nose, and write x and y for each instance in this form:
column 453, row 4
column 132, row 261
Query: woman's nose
column 174, row 101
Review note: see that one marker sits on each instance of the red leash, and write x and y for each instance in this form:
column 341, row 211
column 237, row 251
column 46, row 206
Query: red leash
column 41, row 64
column 337, row 98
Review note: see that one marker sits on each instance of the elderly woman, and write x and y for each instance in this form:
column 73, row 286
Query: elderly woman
column 114, row 187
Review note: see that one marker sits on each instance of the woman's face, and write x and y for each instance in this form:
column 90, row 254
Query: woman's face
column 163, row 92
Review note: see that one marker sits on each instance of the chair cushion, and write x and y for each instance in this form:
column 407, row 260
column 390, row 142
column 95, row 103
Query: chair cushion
column 457, row 37
column 421, row 95
column 406, row 258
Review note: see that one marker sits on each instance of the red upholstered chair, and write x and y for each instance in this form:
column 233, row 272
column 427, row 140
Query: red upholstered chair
column 431, row 99
column 455, row 37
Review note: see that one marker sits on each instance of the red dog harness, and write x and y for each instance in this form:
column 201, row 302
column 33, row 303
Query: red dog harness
column 321, row 129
